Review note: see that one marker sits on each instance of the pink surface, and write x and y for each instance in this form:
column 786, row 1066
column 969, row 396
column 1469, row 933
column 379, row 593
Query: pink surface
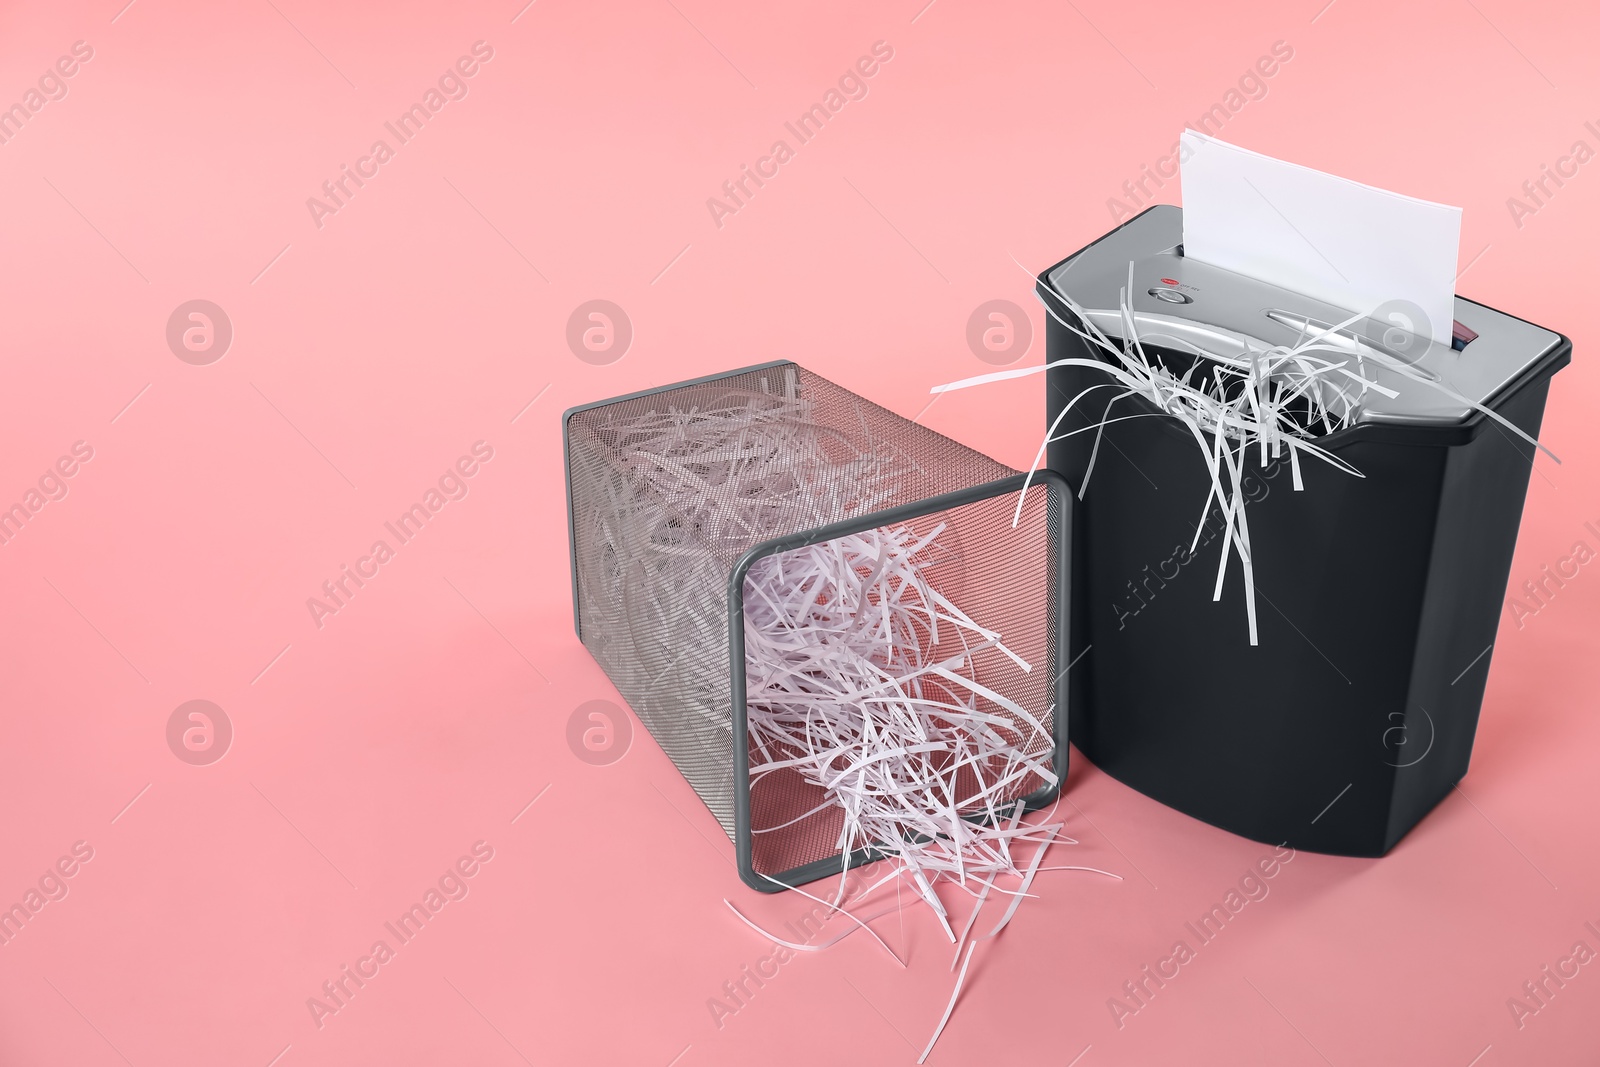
column 374, row 748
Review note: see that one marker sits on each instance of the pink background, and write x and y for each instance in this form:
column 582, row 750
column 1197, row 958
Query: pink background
column 430, row 313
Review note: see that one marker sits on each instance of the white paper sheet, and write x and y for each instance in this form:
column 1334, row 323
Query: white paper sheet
column 1351, row 245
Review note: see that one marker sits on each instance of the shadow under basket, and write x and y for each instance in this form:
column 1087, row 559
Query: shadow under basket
column 676, row 494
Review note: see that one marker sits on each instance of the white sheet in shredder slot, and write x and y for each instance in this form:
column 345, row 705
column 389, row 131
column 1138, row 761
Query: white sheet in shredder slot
column 1352, row 245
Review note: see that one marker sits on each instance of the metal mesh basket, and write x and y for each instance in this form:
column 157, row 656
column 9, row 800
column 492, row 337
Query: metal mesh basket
column 676, row 493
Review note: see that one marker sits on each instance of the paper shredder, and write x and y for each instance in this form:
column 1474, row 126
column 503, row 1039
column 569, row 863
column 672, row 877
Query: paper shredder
column 1378, row 596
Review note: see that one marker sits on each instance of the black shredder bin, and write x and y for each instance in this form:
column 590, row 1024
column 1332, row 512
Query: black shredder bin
column 1378, row 597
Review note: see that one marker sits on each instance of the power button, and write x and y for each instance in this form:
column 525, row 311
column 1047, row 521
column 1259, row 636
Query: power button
column 1171, row 296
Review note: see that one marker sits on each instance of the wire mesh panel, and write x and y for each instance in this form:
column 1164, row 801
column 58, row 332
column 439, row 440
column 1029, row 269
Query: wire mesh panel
column 688, row 502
